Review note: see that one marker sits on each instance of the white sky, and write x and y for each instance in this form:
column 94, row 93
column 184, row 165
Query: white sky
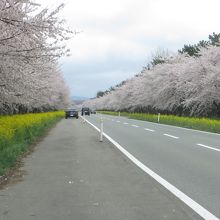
column 119, row 36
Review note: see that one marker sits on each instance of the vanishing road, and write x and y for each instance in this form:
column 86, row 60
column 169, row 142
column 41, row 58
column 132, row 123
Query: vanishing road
column 72, row 175
column 187, row 159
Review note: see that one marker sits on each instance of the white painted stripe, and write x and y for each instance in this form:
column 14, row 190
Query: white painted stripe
column 135, row 126
column 113, row 120
column 189, row 129
column 118, row 121
column 168, row 135
column 147, row 129
column 125, row 123
column 204, row 213
column 205, row 146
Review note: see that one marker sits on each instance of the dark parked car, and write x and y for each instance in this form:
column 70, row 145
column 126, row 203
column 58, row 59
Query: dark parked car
column 72, row 113
column 85, row 111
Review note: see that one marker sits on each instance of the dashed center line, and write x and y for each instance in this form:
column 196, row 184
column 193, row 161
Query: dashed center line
column 147, row 129
column 135, row 126
column 205, row 214
column 168, row 135
column 205, row 146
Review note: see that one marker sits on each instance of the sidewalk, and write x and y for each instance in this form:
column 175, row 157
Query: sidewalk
column 73, row 176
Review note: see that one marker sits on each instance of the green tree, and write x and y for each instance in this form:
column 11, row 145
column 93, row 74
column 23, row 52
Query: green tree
column 214, row 39
column 203, row 43
column 99, row 94
column 191, row 50
column 159, row 56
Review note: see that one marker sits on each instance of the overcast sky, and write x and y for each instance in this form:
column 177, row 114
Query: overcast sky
column 118, row 36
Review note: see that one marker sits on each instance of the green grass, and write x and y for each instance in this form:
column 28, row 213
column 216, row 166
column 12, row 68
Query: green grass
column 203, row 124
column 18, row 132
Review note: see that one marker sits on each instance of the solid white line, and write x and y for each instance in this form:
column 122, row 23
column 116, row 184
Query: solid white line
column 204, row 213
column 205, row 146
column 147, row 129
column 135, row 126
column 118, row 121
column 125, row 123
column 168, row 135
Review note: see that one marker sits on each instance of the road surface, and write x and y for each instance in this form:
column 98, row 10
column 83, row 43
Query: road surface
column 73, row 176
column 188, row 159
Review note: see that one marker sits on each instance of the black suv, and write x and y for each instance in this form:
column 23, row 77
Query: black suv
column 85, row 111
column 71, row 113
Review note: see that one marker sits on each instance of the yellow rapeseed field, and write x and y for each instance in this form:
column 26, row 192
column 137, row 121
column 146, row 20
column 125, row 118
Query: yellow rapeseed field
column 10, row 125
column 17, row 132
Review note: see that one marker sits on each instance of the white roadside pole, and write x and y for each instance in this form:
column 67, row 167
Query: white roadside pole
column 119, row 114
column 84, row 119
column 101, row 129
column 158, row 118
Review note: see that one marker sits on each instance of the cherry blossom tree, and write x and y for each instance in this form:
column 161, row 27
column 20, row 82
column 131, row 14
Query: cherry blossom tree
column 31, row 42
column 183, row 85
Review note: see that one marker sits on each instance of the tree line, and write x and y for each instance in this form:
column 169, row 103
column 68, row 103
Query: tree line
column 185, row 84
column 31, row 42
column 161, row 56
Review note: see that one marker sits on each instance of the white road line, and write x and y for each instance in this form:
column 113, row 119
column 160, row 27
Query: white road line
column 189, row 129
column 118, row 121
column 113, row 120
column 125, row 123
column 147, row 129
column 205, row 146
column 155, row 123
column 135, row 126
column 168, row 135
column 204, row 213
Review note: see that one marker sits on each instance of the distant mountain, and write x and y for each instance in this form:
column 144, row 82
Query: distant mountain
column 79, row 98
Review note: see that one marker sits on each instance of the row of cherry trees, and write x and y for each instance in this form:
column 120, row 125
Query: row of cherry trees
column 183, row 85
column 30, row 46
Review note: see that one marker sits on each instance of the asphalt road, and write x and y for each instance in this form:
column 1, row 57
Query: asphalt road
column 189, row 160
column 73, row 176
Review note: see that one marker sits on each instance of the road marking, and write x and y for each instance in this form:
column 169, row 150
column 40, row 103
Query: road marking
column 189, row 129
column 168, row 135
column 205, row 146
column 118, row 121
column 113, row 120
column 135, row 126
column 204, row 213
column 147, row 129
column 125, row 123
